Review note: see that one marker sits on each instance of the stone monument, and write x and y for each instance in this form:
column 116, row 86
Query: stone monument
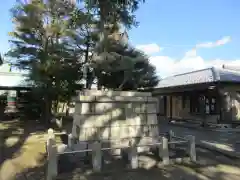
column 115, row 117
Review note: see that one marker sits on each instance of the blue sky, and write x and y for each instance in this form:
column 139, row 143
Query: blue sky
column 189, row 22
column 6, row 24
column 169, row 29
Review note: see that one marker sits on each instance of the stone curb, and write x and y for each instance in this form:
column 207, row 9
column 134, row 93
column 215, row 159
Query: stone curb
column 211, row 147
column 207, row 129
column 224, row 152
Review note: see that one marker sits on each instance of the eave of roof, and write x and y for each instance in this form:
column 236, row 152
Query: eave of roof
column 13, row 79
column 208, row 75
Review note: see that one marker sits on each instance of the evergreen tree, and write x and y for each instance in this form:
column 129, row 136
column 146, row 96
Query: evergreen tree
column 41, row 45
column 58, row 43
column 125, row 68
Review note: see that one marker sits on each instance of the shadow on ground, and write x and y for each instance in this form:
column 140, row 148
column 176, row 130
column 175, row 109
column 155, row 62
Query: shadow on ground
column 210, row 166
column 29, row 161
column 21, row 147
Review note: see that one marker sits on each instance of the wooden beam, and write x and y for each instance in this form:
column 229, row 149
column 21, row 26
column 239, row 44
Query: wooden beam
column 14, row 88
column 231, row 67
column 172, row 90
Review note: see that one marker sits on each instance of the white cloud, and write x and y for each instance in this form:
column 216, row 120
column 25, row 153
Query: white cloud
column 223, row 41
column 149, row 48
column 167, row 66
column 220, row 42
column 206, row 45
column 191, row 61
column 191, row 53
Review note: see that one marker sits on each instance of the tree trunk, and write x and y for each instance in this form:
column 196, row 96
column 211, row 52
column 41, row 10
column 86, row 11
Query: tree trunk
column 47, row 110
column 98, row 86
column 103, row 31
column 67, row 109
column 55, row 107
column 86, row 61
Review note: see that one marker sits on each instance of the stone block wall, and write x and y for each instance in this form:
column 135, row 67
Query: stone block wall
column 115, row 116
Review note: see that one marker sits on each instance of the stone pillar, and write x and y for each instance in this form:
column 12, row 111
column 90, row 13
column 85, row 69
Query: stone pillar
column 1, row 147
column 171, row 134
column 133, row 157
column 70, row 141
column 163, row 151
column 192, row 148
column 97, row 156
column 74, row 130
column 124, row 154
column 52, row 156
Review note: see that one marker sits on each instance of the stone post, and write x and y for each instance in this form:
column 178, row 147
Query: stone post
column 124, row 154
column 97, row 156
column 133, row 157
column 163, row 151
column 74, row 131
column 171, row 134
column 70, row 141
column 1, row 147
column 52, row 156
column 192, row 148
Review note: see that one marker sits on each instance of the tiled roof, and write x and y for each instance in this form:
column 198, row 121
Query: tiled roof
column 201, row 76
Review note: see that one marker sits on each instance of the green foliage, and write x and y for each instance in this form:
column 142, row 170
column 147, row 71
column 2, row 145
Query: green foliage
column 113, row 59
column 42, row 44
column 111, row 13
column 115, row 11
column 124, row 68
column 60, row 43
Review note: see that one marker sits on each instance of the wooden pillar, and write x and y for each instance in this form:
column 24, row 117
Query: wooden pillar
column 171, row 106
column 219, row 101
column 202, row 110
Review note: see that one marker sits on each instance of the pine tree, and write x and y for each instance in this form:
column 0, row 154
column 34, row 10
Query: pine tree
column 125, row 68
column 41, row 45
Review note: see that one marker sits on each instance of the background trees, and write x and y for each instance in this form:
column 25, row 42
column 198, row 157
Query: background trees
column 41, row 46
column 61, row 43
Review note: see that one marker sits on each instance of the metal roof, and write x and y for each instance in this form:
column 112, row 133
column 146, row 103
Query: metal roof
column 200, row 76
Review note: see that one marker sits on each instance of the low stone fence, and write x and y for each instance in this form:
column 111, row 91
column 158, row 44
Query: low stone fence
column 129, row 152
column 190, row 140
